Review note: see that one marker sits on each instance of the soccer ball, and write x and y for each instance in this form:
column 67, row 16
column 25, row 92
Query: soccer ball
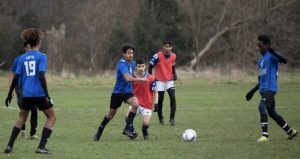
column 189, row 135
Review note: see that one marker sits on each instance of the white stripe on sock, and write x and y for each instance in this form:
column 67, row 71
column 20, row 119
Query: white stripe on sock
column 284, row 125
column 264, row 123
column 289, row 130
column 265, row 133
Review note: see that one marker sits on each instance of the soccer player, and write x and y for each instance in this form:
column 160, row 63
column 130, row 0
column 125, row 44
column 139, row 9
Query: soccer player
column 147, row 95
column 18, row 90
column 123, row 92
column 267, row 86
column 31, row 71
column 165, row 75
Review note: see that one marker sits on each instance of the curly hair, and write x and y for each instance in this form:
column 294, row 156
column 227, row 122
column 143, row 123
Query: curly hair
column 31, row 36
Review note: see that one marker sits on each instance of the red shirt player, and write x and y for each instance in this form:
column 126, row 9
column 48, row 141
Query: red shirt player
column 165, row 75
column 146, row 94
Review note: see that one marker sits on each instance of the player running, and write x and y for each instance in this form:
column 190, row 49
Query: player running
column 165, row 75
column 267, row 86
column 31, row 70
column 18, row 90
column 146, row 93
column 123, row 92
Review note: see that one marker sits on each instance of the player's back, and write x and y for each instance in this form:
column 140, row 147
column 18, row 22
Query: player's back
column 29, row 66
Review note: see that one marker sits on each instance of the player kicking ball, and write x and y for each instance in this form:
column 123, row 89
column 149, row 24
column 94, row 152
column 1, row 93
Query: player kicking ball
column 147, row 95
column 123, row 92
column 267, row 86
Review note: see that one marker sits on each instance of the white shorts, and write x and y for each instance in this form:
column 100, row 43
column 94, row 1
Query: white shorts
column 144, row 111
column 164, row 85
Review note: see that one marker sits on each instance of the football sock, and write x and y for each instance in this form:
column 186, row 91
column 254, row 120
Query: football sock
column 45, row 136
column 14, row 134
column 145, row 130
column 171, row 93
column 264, row 125
column 160, row 104
column 130, row 119
column 33, row 121
column 287, row 129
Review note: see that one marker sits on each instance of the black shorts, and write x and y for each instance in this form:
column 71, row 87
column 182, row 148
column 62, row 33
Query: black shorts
column 42, row 103
column 117, row 99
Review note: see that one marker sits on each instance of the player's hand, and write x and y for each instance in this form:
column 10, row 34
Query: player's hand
column 8, row 100
column 174, row 77
column 249, row 95
column 155, row 108
column 49, row 99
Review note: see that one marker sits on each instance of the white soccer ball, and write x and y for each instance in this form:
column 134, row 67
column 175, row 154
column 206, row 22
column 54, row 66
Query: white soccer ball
column 189, row 135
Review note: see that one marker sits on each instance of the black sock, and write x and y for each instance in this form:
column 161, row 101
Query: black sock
column 160, row 104
column 101, row 126
column 171, row 93
column 287, row 129
column 264, row 125
column 145, row 130
column 45, row 136
column 129, row 122
column 23, row 127
column 14, row 134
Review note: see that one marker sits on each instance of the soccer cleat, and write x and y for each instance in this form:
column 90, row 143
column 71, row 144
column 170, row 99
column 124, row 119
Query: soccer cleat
column 128, row 133
column 172, row 122
column 34, row 137
column 23, row 134
column 263, row 139
column 161, row 121
column 43, row 151
column 8, row 149
column 135, row 135
column 293, row 134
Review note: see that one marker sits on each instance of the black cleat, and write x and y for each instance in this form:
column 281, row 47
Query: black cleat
column 172, row 122
column 161, row 121
column 43, row 151
column 128, row 133
column 135, row 135
column 146, row 137
column 96, row 138
column 8, row 149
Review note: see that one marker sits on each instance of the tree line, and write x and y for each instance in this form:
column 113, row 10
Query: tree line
column 87, row 35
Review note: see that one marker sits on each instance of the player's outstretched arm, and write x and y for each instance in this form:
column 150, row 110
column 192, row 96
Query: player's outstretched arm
column 129, row 78
column 280, row 57
column 250, row 94
column 12, row 87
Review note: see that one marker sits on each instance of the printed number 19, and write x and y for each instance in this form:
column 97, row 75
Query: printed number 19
column 30, row 68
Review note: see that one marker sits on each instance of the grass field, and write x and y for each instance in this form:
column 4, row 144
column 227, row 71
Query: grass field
column 227, row 125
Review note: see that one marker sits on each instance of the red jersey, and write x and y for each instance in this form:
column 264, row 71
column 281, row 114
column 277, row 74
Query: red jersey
column 144, row 91
column 163, row 67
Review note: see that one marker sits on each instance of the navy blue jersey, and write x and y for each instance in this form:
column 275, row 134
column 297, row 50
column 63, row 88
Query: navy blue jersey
column 29, row 66
column 123, row 67
column 268, row 72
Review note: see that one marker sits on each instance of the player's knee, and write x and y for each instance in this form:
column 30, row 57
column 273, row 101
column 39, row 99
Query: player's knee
column 262, row 107
column 171, row 92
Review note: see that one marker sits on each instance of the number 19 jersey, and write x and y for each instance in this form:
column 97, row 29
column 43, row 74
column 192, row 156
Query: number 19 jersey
column 29, row 66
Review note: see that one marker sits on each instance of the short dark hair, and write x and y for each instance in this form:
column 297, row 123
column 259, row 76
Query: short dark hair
column 265, row 39
column 126, row 47
column 140, row 61
column 167, row 42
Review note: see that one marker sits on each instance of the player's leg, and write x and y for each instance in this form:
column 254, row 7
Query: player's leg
column 18, row 91
column 129, row 128
column 115, row 102
column 280, row 121
column 33, row 122
column 16, row 130
column 171, row 92
column 263, row 120
column 47, row 107
column 147, row 113
column 23, row 129
column 161, row 92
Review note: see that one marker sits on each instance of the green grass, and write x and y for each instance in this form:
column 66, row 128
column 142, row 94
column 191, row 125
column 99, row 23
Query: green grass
column 227, row 125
